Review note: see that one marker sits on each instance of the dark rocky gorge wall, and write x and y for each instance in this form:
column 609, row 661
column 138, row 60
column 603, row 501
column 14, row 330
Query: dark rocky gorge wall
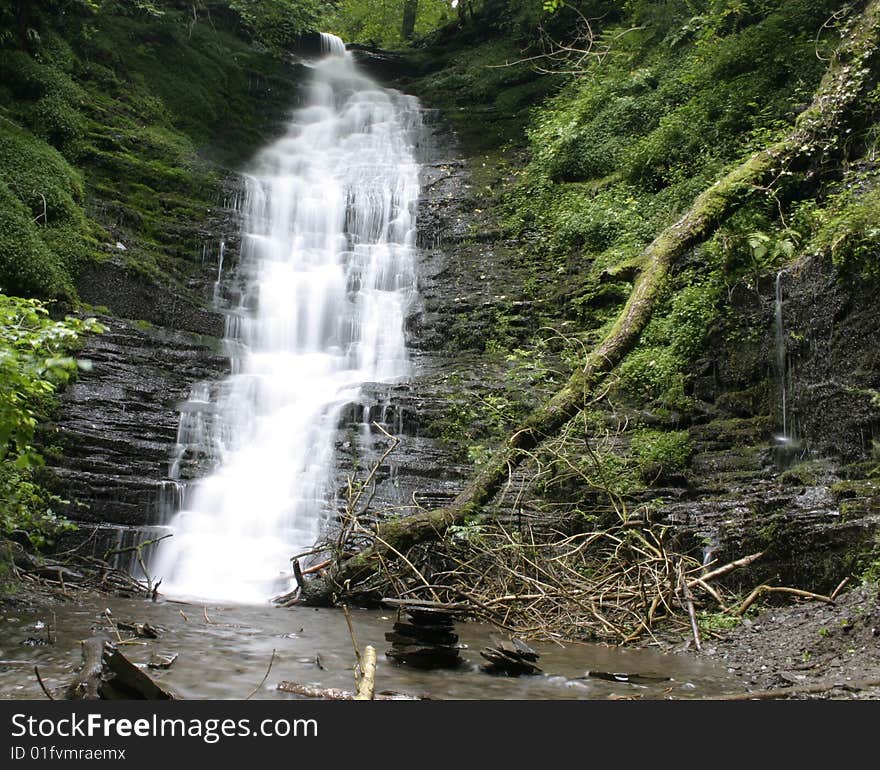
column 118, row 422
column 810, row 503
column 811, row 500
column 117, row 429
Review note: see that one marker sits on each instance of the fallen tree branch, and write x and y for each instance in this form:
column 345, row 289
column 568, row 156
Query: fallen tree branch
column 43, row 684
column 106, row 674
column 840, row 586
column 765, row 589
column 729, row 567
column 86, row 684
column 263, row 680
column 689, row 603
column 367, row 683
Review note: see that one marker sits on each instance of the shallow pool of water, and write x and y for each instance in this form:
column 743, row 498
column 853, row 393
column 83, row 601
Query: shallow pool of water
column 224, row 651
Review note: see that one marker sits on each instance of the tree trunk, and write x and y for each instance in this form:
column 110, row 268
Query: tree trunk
column 410, row 12
column 849, row 79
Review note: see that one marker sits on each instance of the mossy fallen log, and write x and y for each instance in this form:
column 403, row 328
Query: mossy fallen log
column 816, row 134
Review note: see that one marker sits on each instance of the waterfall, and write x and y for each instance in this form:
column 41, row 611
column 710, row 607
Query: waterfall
column 323, row 284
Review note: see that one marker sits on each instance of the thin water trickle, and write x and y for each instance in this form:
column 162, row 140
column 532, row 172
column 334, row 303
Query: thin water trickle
column 325, row 278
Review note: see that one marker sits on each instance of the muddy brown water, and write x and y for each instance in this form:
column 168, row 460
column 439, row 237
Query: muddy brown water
column 224, row 651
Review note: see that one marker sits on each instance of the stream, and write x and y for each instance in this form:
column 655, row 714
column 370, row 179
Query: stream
column 224, row 651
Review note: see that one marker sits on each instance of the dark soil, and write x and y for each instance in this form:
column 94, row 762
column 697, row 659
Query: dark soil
column 806, row 643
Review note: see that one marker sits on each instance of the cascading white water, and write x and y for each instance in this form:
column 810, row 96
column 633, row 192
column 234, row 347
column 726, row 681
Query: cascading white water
column 327, row 276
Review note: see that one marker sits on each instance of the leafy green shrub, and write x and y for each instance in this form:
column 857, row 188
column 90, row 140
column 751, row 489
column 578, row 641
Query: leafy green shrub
column 53, row 118
column 28, row 508
column 364, row 21
column 651, row 373
column 694, row 308
column 277, row 23
column 35, row 361
column 848, row 229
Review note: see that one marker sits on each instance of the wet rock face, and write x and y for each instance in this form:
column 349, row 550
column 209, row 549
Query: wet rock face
column 805, row 501
column 833, row 342
column 118, row 422
column 831, row 332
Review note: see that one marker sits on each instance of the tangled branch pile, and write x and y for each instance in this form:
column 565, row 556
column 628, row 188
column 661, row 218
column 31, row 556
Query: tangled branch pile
column 69, row 572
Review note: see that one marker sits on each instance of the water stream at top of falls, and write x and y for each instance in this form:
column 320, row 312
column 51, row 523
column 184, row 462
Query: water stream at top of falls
column 325, row 278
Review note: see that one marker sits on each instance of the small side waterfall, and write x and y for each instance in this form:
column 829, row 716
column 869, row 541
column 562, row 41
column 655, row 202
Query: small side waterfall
column 787, row 448
column 317, row 310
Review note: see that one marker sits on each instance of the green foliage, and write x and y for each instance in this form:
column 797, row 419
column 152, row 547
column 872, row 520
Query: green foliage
column 621, row 151
column 650, row 374
column 846, row 226
column 27, row 266
column 97, row 102
column 660, row 451
column 27, row 508
column 657, row 370
column 277, row 23
column 479, row 419
column 43, row 231
column 40, row 177
column 381, row 23
column 35, row 361
column 716, row 622
column 694, row 309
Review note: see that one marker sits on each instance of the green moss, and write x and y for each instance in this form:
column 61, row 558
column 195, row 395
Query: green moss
column 96, row 113
column 808, row 473
column 40, row 177
column 27, row 266
column 660, row 452
column 869, row 564
column 851, row 489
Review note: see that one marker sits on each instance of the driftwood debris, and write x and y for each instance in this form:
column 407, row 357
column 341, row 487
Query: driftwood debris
column 160, row 660
column 86, row 683
column 844, row 91
column 140, row 630
column 628, row 678
column 332, row 693
column 367, row 683
column 765, row 589
column 70, row 571
column 106, row 674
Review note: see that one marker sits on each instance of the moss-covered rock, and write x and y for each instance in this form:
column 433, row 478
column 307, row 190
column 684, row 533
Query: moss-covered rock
column 27, row 265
